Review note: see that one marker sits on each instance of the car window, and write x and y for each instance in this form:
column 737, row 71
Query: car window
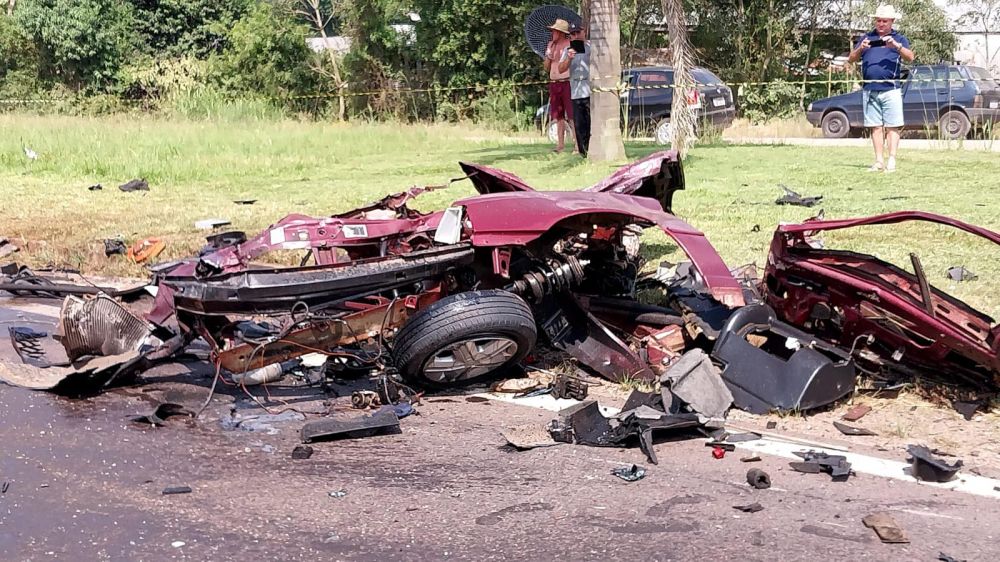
column 651, row 78
column 705, row 76
column 921, row 78
column 982, row 76
column 949, row 77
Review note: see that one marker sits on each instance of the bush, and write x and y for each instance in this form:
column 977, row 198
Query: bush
column 211, row 103
column 776, row 100
column 81, row 43
column 497, row 109
column 267, row 57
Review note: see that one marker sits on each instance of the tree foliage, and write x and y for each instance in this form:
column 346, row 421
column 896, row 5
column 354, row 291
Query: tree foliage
column 82, row 43
column 186, row 28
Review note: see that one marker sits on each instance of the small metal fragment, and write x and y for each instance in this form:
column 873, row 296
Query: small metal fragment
column 337, row 493
column 758, row 478
column 728, row 447
column 630, row 473
column 176, row 490
column 301, row 452
column 754, row 458
column 925, row 466
column 750, row 508
column 856, row 413
column 850, row 430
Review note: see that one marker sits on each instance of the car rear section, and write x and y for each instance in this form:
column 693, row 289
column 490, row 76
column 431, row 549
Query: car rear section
column 715, row 104
column 985, row 109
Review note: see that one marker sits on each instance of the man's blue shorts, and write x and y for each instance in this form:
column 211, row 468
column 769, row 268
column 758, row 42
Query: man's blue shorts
column 883, row 109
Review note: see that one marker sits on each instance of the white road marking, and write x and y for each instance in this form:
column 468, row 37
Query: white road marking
column 862, row 464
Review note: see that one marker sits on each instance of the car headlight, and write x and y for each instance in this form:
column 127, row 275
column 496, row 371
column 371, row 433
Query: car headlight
column 810, row 108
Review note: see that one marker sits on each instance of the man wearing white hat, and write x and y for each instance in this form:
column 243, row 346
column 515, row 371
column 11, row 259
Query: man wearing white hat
column 560, row 102
column 881, row 52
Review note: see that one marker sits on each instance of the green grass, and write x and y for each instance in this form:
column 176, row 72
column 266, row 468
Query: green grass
column 196, row 170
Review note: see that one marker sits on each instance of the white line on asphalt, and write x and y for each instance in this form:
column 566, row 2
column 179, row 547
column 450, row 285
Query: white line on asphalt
column 863, row 464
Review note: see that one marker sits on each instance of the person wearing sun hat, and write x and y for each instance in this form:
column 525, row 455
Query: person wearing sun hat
column 560, row 103
column 882, row 52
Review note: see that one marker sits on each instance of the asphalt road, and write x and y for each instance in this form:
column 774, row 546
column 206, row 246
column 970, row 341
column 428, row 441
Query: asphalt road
column 84, row 483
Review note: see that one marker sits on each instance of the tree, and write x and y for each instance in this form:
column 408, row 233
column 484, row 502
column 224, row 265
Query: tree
column 605, row 74
column 82, row 43
column 923, row 23
column 982, row 15
column 187, row 28
column 314, row 12
column 682, row 118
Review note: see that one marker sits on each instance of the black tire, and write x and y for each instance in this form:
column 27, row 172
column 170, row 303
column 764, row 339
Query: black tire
column 462, row 326
column 954, row 125
column 835, row 125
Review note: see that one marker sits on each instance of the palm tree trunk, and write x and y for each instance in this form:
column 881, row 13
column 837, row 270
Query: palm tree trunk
column 682, row 117
column 605, row 74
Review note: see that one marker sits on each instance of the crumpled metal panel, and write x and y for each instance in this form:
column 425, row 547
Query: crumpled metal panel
column 98, row 326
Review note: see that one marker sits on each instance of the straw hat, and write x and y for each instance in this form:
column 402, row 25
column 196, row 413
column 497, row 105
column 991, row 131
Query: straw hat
column 561, row 26
column 887, row 11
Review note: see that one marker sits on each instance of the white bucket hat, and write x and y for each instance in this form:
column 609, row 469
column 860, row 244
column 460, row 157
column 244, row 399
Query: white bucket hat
column 887, row 11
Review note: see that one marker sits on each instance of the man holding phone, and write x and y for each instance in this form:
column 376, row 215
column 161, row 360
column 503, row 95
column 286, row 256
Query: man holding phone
column 881, row 52
column 576, row 60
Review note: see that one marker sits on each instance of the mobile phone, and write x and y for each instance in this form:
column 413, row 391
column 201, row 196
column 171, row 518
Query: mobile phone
column 877, row 43
column 578, row 46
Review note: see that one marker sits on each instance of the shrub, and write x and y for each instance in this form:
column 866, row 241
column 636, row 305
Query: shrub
column 776, row 100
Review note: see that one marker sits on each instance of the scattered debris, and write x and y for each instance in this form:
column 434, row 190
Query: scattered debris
column 177, row 544
column 925, row 466
column 752, row 458
column 886, row 528
column 630, row 473
column 114, row 246
column 7, row 248
column 792, row 198
column 727, row 447
column 718, row 453
column 968, row 409
column 146, row 249
column 856, row 413
column 815, row 462
column 302, row 452
column 528, row 436
column 851, row 430
column 245, row 201
column 570, row 387
column 517, row 386
column 337, row 493
column 771, row 424
column 383, row 420
column 477, row 399
column 270, row 373
column 742, row 437
column 695, row 380
column 945, row 558
column 259, row 423
column 750, row 508
column 176, row 490
column 95, row 187
column 4, row 487
column 758, row 478
column 364, row 399
column 209, row 224
column 959, row 273
column 163, row 411
column 134, row 185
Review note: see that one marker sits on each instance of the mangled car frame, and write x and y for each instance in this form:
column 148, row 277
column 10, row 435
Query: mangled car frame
column 459, row 295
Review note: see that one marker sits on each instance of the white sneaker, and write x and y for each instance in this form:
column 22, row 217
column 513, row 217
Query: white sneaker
column 890, row 166
column 876, row 167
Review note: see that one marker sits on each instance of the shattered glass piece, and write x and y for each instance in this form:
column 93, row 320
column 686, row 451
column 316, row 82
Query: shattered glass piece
column 630, row 473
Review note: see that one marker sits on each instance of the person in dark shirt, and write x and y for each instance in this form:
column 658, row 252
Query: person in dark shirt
column 881, row 52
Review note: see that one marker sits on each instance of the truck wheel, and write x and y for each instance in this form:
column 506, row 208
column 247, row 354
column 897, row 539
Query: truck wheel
column 954, row 125
column 464, row 338
column 835, row 125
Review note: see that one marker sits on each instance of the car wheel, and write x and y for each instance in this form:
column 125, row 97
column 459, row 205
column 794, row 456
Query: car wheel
column 954, row 125
column 835, row 125
column 464, row 338
column 664, row 132
column 553, row 133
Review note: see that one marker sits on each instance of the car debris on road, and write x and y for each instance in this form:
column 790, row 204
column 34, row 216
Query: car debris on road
column 468, row 294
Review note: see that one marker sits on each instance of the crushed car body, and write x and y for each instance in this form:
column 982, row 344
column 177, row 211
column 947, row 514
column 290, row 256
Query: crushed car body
column 894, row 323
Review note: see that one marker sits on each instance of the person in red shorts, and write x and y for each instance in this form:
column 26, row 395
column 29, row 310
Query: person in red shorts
column 560, row 102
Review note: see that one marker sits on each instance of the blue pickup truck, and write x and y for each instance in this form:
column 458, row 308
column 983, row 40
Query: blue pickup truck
column 955, row 100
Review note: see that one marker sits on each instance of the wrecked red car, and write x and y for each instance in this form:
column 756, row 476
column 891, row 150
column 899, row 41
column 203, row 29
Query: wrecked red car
column 894, row 323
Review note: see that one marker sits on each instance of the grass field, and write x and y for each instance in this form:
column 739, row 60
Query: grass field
column 196, row 170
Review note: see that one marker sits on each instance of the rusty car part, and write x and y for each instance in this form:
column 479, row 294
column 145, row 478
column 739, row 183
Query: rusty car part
column 325, row 335
column 790, row 371
column 146, row 249
column 847, row 297
column 569, row 387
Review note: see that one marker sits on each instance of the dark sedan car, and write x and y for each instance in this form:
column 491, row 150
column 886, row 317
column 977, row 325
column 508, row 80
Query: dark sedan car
column 952, row 99
column 646, row 106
